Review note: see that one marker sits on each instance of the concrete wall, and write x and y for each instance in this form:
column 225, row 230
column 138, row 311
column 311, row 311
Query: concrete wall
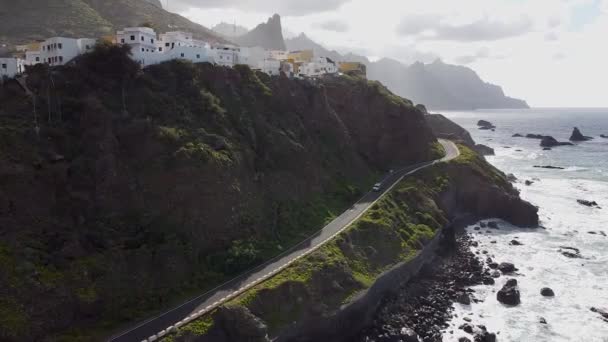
column 359, row 313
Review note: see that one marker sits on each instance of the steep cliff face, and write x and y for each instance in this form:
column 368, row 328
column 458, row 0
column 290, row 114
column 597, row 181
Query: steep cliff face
column 445, row 128
column 142, row 187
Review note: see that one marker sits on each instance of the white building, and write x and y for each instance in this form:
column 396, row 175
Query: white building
column 143, row 43
column 319, row 66
column 193, row 54
column 33, row 57
column 10, row 67
column 59, row 50
column 225, row 55
column 271, row 66
column 251, row 56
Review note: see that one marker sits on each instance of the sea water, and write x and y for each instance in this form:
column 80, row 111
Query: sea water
column 579, row 284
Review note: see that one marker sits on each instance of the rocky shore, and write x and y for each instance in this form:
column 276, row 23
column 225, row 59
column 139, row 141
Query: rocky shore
column 421, row 309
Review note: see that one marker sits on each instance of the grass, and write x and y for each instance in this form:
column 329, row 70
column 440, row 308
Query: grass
column 394, row 230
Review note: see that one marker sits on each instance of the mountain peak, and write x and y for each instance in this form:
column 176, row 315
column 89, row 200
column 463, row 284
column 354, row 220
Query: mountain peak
column 268, row 35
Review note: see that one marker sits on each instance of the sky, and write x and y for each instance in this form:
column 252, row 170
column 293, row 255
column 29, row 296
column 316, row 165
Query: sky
column 552, row 53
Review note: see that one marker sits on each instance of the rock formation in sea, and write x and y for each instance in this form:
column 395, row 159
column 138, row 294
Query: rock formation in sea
column 578, row 136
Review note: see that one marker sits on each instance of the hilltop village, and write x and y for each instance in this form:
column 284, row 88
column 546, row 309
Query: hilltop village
column 149, row 48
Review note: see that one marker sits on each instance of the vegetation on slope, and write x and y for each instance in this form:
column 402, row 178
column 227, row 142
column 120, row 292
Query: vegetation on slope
column 140, row 189
column 394, row 230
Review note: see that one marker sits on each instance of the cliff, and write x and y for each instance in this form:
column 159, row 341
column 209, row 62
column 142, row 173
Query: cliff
column 124, row 191
column 437, row 85
column 333, row 293
column 22, row 22
column 445, row 128
column 268, row 35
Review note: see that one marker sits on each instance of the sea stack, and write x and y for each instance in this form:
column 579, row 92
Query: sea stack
column 578, row 136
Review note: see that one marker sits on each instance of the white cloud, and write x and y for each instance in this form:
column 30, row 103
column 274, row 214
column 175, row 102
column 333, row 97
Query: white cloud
column 485, row 29
column 334, row 25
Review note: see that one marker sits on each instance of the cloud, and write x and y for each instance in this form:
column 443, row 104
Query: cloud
column 416, row 24
column 334, row 25
column 408, row 54
column 431, row 27
column 283, row 7
column 468, row 59
column 551, row 37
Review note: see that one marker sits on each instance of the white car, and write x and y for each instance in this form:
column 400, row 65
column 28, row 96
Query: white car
column 377, row 187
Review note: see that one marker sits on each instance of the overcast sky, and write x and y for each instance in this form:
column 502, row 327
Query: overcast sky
column 550, row 52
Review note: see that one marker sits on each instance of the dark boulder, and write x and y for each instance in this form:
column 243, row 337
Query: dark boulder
column 604, row 136
column 547, row 292
column 549, row 141
column 484, row 336
column 466, row 327
column 485, row 125
column 603, row 313
column 542, row 320
column 408, row 335
column 547, row 149
column 464, row 299
column 529, row 182
column 570, row 252
column 578, row 136
column 588, row 203
column 509, row 294
column 515, row 243
column 464, row 339
column 549, row 167
column 507, row 267
column 517, row 135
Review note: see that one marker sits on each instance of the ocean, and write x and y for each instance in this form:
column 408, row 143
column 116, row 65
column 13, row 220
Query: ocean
column 579, row 283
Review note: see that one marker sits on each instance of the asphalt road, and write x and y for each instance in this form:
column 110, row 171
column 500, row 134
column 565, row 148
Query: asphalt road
column 157, row 327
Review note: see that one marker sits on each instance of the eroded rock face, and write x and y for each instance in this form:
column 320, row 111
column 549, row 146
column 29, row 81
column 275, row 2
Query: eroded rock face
column 238, row 324
column 547, row 292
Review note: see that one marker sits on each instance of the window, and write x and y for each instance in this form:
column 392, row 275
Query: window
column 167, row 44
column 182, row 55
column 160, row 49
column 198, row 56
column 4, row 66
column 142, row 38
column 88, row 47
column 132, row 37
column 152, row 41
column 61, row 46
column 142, row 50
column 61, row 59
column 122, row 40
column 37, row 59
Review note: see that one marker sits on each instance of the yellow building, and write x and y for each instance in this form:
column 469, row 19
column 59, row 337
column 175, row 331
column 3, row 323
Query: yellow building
column 356, row 68
column 304, row 56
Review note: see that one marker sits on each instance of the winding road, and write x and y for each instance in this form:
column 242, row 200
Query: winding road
column 158, row 327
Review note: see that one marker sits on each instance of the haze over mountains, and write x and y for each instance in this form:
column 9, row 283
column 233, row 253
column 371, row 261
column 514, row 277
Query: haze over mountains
column 438, row 85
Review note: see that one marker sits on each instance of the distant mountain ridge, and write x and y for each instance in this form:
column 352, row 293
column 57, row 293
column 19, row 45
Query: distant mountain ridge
column 438, row 85
column 25, row 21
column 229, row 31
